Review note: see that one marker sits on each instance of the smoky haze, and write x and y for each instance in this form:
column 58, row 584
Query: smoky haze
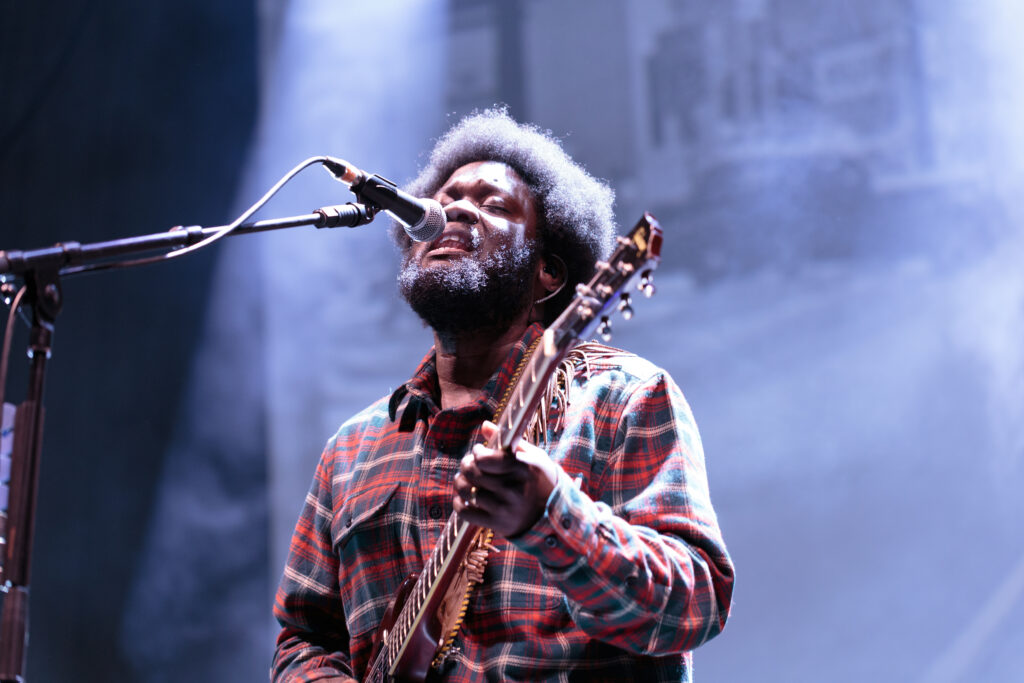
column 840, row 298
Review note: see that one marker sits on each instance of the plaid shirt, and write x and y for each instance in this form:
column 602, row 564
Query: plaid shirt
column 623, row 575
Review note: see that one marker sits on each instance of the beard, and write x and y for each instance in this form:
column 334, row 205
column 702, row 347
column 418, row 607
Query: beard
column 468, row 295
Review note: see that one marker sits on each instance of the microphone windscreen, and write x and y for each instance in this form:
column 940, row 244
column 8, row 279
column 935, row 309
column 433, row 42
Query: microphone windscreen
column 431, row 225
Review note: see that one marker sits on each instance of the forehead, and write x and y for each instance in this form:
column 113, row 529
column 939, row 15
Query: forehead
column 482, row 174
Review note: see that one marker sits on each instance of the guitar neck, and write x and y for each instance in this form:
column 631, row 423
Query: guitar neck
column 635, row 255
column 524, row 396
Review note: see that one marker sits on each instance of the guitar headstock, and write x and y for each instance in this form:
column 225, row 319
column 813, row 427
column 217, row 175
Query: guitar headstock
column 636, row 255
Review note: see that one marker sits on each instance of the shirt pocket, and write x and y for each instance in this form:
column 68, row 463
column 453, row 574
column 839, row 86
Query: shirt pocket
column 365, row 534
column 358, row 511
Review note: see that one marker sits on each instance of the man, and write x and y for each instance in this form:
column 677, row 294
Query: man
column 607, row 562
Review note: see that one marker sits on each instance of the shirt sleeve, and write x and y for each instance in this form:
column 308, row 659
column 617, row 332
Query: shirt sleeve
column 644, row 567
column 313, row 642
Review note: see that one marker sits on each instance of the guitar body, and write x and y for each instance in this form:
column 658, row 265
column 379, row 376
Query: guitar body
column 414, row 664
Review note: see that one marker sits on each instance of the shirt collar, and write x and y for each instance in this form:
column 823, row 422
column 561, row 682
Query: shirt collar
column 423, row 385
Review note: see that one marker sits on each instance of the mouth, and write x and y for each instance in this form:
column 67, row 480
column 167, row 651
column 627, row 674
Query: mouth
column 454, row 240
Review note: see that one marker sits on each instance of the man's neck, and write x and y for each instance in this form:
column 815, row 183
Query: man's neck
column 466, row 361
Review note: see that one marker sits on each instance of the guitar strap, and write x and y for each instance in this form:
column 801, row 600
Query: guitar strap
column 452, row 611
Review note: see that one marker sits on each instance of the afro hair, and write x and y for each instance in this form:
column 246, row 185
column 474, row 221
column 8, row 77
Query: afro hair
column 575, row 219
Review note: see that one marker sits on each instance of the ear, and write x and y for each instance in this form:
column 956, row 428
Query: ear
column 551, row 274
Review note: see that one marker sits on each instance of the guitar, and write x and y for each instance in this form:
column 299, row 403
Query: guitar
column 419, row 628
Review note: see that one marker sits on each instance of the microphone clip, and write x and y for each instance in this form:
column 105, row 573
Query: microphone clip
column 422, row 219
column 375, row 191
column 349, row 215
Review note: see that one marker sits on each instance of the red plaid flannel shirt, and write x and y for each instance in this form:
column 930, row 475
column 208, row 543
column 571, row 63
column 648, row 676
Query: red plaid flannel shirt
column 624, row 574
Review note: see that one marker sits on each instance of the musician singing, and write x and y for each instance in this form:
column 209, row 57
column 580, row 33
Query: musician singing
column 606, row 562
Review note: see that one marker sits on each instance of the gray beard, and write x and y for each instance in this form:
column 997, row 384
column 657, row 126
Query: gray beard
column 468, row 295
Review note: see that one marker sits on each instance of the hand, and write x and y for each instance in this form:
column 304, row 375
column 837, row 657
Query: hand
column 510, row 492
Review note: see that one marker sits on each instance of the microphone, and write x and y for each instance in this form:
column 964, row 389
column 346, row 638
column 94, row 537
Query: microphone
column 422, row 219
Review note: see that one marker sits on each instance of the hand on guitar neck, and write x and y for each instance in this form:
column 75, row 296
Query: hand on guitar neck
column 503, row 493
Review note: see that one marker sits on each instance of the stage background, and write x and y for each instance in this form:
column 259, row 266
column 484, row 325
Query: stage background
column 841, row 299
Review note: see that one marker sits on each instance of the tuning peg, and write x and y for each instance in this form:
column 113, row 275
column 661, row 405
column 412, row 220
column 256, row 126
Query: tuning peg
column 625, row 307
column 646, row 285
column 7, row 291
column 605, row 329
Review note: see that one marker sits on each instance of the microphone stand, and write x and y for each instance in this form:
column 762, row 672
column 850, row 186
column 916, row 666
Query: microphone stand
column 41, row 271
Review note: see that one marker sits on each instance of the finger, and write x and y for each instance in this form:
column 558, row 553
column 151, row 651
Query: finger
column 466, row 490
column 482, row 512
column 482, row 490
column 491, row 461
column 529, row 453
column 485, row 467
column 471, row 514
column 491, row 494
column 483, row 451
column 489, row 432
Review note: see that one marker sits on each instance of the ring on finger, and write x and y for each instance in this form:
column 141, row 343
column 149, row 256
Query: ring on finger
column 472, row 496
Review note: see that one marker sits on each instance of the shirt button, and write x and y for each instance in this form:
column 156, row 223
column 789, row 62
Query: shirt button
column 435, row 511
column 551, row 541
column 566, row 522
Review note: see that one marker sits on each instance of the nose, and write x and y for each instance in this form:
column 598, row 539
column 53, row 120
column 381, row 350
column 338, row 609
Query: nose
column 462, row 211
